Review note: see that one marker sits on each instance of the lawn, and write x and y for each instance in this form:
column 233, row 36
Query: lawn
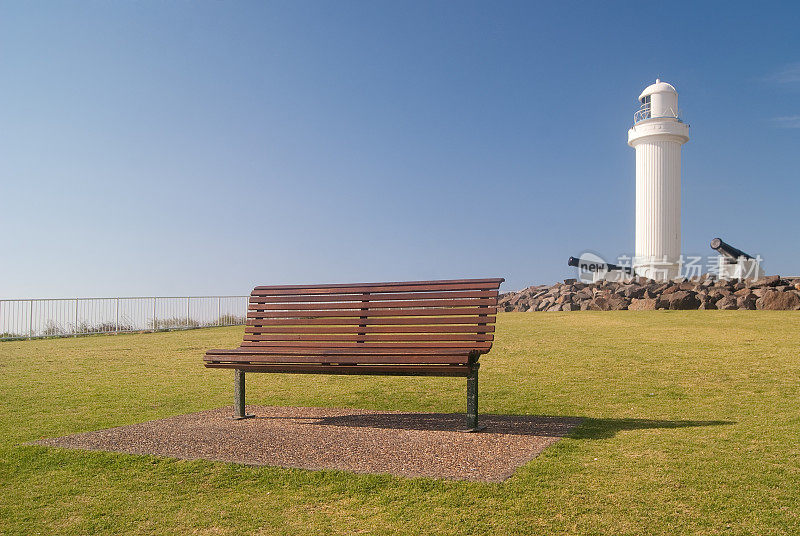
column 692, row 426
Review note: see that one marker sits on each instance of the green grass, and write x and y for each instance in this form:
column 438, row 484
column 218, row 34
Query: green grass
column 692, row 427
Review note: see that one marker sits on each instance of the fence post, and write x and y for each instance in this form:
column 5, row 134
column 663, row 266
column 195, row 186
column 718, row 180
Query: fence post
column 219, row 310
column 155, row 319
column 117, row 316
column 76, row 317
column 30, row 325
column 188, row 311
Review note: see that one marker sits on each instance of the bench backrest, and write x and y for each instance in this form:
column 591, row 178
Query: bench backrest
column 453, row 314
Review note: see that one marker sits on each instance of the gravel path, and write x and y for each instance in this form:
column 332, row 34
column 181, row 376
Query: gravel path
column 397, row 443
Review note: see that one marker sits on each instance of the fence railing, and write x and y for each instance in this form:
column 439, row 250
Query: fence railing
column 33, row 318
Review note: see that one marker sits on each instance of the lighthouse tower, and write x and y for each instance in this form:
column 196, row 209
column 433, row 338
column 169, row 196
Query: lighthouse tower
column 657, row 135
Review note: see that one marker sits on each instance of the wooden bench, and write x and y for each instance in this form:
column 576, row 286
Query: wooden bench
column 415, row 328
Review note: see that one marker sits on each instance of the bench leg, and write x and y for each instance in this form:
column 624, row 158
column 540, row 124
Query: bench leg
column 472, row 401
column 238, row 395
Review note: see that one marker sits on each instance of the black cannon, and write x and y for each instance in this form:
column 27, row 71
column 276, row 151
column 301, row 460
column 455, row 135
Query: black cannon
column 597, row 266
column 728, row 250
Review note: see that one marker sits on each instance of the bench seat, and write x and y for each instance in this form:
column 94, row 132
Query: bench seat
column 415, row 328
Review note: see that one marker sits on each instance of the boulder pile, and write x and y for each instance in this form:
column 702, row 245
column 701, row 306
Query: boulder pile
column 769, row 293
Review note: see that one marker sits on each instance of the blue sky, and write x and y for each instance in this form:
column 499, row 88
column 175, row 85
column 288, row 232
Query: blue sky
column 205, row 147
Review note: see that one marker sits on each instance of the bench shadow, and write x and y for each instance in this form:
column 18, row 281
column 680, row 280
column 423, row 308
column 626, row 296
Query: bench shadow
column 533, row 425
column 606, row 428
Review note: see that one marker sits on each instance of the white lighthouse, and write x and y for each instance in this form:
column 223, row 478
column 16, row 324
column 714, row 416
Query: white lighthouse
column 657, row 135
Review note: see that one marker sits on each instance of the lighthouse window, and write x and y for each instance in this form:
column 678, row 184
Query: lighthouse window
column 644, row 110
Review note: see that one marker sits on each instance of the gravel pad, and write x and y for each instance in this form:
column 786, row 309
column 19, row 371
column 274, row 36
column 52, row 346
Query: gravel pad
column 397, row 443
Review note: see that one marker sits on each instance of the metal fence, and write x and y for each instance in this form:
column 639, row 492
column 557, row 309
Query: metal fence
column 61, row 317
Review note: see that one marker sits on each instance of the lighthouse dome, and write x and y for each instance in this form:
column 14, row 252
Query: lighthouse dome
column 658, row 87
column 659, row 100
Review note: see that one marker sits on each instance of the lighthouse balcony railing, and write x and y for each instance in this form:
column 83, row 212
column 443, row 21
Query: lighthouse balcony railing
column 642, row 114
column 645, row 113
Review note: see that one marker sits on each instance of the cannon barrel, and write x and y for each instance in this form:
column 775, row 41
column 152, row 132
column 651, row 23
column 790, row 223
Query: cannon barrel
column 573, row 261
column 591, row 266
column 728, row 250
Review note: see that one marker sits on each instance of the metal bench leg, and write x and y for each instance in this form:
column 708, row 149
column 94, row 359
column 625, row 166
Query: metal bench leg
column 238, row 395
column 472, row 401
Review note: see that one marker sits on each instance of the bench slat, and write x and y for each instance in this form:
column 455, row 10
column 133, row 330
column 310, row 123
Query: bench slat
column 372, row 321
column 328, row 289
column 383, row 337
column 449, row 311
column 356, row 350
column 398, row 284
column 381, row 370
column 367, row 329
column 359, row 345
column 370, row 305
column 377, row 296
column 404, row 359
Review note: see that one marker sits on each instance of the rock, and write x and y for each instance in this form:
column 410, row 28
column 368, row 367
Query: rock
column 645, row 304
column 601, row 303
column 747, row 301
column 727, row 303
column 597, row 304
column 773, row 300
column 768, row 281
column 566, row 297
column 707, row 303
column 659, row 289
column 617, row 303
column 683, row 300
column 633, row 291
